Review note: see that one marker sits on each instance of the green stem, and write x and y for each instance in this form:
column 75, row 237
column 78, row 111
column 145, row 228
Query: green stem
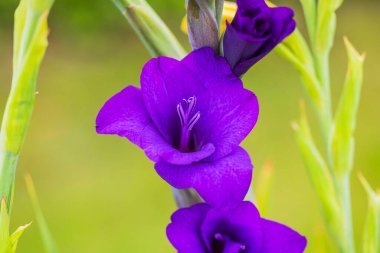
column 345, row 233
column 157, row 38
column 8, row 164
column 30, row 33
column 325, row 117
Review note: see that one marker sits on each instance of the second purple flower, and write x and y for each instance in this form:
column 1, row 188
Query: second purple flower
column 189, row 117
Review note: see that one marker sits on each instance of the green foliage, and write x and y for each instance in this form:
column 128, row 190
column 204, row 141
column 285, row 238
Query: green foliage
column 47, row 238
column 371, row 238
column 342, row 140
column 152, row 31
column 30, row 43
column 296, row 50
column 319, row 172
column 329, row 171
column 263, row 187
column 8, row 243
column 310, row 9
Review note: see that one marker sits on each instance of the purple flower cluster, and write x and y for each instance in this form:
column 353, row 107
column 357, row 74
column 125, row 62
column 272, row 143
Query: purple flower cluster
column 189, row 117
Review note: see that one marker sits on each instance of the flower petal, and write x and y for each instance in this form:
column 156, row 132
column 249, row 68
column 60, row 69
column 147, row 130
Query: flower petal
column 212, row 69
column 228, row 112
column 164, row 84
column 246, row 40
column 154, row 144
column 238, row 46
column 245, row 4
column 282, row 239
column 220, row 183
column 241, row 222
column 228, row 115
column 125, row 115
column 183, row 232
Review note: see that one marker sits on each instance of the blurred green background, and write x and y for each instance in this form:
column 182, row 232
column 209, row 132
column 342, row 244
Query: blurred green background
column 100, row 193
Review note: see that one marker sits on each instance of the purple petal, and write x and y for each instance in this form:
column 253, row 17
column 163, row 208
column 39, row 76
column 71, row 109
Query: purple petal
column 212, row 69
column 282, row 239
column 238, row 46
column 228, row 112
column 155, row 145
column 228, row 115
column 246, row 4
column 219, row 183
column 183, row 232
column 254, row 32
column 284, row 23
column 164, row 84
column 241, row 222
column 125, row 115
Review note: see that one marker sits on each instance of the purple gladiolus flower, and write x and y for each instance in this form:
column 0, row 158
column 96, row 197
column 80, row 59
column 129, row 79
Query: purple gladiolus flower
column 189, row 117
column 255, row 30
column 239, row 229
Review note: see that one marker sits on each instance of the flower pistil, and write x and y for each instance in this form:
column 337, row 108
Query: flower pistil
column 185, row 111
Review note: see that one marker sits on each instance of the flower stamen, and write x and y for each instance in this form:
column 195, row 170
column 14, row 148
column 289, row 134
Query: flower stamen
column 185, row 110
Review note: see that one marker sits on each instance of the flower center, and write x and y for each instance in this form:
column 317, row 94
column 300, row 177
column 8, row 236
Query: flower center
column 187, row 119
column 224, row 244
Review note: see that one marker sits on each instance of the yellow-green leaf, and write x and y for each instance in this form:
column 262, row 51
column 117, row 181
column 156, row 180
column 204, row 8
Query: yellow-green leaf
column 371, row 238
column 16, row 236
column 46, row 235
column 318, row 170
column 152, row 31
column 342, row 141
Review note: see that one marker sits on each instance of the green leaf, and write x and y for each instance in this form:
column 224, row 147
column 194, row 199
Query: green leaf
column 310, row 11
column 5, row 243
column 295, row 49
column 8, row 243
column 30, row 42
column 326, row 25
column 342, row 140
column 152, row 31
column 16, row 236
column 318, row 170
column 263, row 186
column 219, row 12
column 371, row 239
column 46, row 235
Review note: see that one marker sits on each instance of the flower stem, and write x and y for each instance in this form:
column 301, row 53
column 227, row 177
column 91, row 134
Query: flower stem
column 346, row 234
column 8, row 164
column 30, row 43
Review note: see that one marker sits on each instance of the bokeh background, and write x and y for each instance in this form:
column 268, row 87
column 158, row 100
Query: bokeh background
column 100, row 193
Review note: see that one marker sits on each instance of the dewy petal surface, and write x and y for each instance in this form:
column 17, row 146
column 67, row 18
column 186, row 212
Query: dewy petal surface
column 183, row 232
column 220, row 183
column 282, row 239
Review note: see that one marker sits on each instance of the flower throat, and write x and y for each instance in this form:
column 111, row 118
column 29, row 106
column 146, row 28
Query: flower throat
column 187, row 119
